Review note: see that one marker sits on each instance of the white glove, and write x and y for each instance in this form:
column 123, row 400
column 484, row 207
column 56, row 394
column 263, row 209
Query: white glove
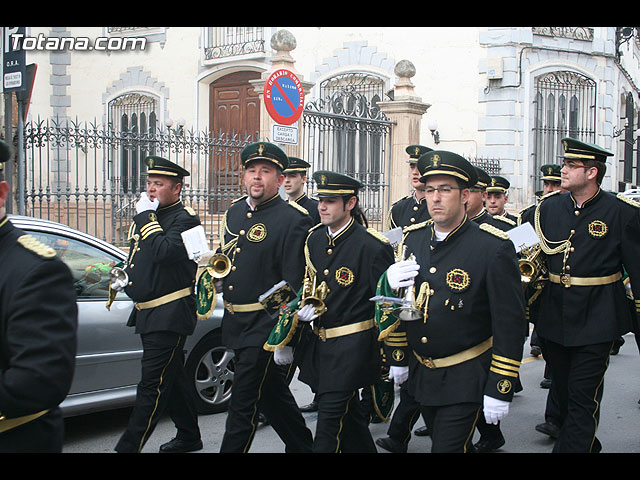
column 400, row 274
column 494, row 409
column 307, row 313
column 144, row 203
column 283, row 356
column 399, row 375
column 117, row 286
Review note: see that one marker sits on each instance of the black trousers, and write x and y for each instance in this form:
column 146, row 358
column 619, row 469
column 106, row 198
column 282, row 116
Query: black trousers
column 452, row 426
column 343, row 424
column 163, row 387
column 578, row 381
column 259, row 385
column 404, row 416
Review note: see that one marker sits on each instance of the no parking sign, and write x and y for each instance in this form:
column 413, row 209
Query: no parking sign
column 283, row 97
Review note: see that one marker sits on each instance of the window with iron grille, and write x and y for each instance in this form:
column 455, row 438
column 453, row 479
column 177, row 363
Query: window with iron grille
column 221, row 42
column 133, row 116
column 564, row 106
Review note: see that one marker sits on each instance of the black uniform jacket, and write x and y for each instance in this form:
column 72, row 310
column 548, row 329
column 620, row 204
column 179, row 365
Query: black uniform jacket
column 606, row 240
column 407, row 211
column 474, row 279
column 351, row 264
column 526, row 215
column 38, row 322
column 158, row 265
column 265, row 245
column 310, row 205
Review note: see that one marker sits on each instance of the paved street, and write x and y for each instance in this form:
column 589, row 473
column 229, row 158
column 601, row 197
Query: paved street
column 619, row 429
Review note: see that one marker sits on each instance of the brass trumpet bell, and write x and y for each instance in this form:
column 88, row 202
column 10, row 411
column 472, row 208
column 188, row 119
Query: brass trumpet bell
column 407, row 312
column 220, row 265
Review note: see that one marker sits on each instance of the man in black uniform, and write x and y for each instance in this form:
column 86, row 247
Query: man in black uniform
column 295, row 178
column 466, row 281
column 38, row 322
column 498, row 196
column 264, row 239
column 411, row 209
column 476, row 210
column 588, row 237
column 343, row 354
column 550, row 183
column 161, row 278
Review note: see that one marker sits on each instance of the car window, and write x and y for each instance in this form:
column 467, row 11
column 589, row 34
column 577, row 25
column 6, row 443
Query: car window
column 89, row 265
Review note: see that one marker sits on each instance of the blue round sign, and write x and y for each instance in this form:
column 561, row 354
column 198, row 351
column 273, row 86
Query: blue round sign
column 283, row 97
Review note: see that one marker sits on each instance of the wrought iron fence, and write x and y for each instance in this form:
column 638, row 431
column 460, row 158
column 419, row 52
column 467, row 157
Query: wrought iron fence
column 75, row 173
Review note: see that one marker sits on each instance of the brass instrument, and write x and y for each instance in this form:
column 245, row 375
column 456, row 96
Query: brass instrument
column 532, row 271
column 312, row 295
column 118, row 277
column 220, row 265
column 407, row 311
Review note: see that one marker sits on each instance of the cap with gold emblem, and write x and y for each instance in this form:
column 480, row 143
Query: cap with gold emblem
column 483, row 178
column 442, row 162
column 333, row 184
column 297, row 165
column 551, row 172
column 415, row 151
column 161, row 166
column 498, row 184
column 264, row 151
column 579, row 150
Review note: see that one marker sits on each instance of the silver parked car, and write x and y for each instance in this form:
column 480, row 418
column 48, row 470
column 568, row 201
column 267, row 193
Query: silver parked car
column 108, row 354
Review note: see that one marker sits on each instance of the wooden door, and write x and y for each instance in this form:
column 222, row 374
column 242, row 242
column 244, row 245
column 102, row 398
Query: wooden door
column 234, row 110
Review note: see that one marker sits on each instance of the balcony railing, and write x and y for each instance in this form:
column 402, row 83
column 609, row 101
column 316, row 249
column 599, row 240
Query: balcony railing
column 222, row 42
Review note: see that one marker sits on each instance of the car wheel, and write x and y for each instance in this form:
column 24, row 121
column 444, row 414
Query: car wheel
column 210, row 368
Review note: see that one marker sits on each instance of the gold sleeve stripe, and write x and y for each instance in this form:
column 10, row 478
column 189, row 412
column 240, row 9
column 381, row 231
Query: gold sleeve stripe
column 503, row 372
column 149, row 232
column 148, row 226
column 395, row 343
column 505, row 359
column 505, row 366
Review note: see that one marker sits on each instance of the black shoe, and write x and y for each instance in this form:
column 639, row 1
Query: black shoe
column 535, row 351
column 548, row 429
column 616, row 345
column 422, row 431
column 312, row 407
column 262, row 420
column 392, row 445
column 180, row 446
column 489, row 445
column 546, row 383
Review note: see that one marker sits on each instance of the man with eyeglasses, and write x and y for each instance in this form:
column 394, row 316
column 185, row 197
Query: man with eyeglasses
column 588, row 237
column 463, row 353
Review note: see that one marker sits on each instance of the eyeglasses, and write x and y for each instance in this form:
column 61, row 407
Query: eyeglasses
column 571, row 165
column 443, row 190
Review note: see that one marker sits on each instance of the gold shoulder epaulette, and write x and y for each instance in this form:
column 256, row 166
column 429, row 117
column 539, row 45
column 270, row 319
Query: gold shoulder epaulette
column 526, row 208
column 555, row 192
column 316, row 226
column 417, row 226
column 30, row 243
column 628, row 200
column 400, row 199
column 378, row 235
column 238, row 199
column 494, row 231
column 506, row 220
column 299, row 207
column 190, row 211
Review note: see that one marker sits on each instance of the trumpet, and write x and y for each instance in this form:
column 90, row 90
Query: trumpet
column 312, row 295
column 220, row 265
column 407, row 311
column 531, row 265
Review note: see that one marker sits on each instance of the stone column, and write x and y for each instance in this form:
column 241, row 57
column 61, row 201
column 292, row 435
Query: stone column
column 282, row 42
column 406, row 109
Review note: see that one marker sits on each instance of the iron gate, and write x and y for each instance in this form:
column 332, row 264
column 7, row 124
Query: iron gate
column 81, row 174
column 345, row 131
